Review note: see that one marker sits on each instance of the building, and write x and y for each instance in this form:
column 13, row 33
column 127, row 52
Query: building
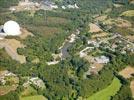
column 102, row 59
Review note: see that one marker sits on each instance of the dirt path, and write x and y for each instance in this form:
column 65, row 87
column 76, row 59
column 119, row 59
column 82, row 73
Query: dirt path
column 11, row 46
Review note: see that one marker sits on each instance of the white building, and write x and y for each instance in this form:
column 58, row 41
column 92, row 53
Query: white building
column 73, row 6
column 37, row 81
column 54, row 6
column 102, row 59
column 63, row 7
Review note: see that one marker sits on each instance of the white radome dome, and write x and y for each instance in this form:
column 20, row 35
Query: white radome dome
column 11, row 28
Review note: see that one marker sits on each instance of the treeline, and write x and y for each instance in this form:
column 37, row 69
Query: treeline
column 123, row 94
column 4, row 4
column 95, row 83
column 7, row 3
column 10, row 96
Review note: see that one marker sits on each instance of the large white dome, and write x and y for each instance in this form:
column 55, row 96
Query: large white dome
column 11, row 28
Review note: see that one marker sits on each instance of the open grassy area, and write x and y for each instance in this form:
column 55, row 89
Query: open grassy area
column 129, row 13
column 106, row 93
column 36, row 97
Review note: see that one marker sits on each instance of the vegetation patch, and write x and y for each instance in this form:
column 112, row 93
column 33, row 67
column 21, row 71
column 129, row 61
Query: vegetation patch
column 106, row 93
column 129, row 13
column 127, row 72
column 28, row 91
column 6, row 89
column 94, row 28
column 132, row 87
column 36, row 97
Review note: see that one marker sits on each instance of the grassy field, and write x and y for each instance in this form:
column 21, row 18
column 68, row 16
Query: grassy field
column 129, row 13
column 106, row 93
column 36, row 97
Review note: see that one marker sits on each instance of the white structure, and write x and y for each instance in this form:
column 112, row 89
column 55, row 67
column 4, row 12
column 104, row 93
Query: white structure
column 83, row 53
column 12, row 9
column 63, row 7
column 93, row 43
column 54, row 6
column 11, row 28
column 38, row 82
column 52, row 63
column 72, row 38
column 76, row 6
column 102, row 60
column 73, row 6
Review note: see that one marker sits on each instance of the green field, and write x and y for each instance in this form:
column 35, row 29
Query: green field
column 129, row 13
column 36, row 97
column 106, row 93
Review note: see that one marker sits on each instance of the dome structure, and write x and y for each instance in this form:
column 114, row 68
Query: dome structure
column 11, row 28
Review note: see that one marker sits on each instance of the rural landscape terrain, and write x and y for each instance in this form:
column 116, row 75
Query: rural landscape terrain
column 66, row 49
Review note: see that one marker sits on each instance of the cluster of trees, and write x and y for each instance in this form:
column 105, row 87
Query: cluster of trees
column 6, row 4
column 94, row 83
column 57, row 81
column 10, row 96
column 124, row 93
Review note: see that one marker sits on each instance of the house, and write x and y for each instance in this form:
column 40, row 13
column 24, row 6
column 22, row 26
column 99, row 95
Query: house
column 102, row 59
column 37, row 81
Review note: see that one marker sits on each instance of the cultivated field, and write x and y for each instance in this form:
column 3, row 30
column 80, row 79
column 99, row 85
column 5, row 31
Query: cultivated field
column 94, row 28
column 127, row 72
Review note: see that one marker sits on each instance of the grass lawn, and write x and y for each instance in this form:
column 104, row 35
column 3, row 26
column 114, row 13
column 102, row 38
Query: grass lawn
column 36, row 97
column 106, row 93
column 129, row 13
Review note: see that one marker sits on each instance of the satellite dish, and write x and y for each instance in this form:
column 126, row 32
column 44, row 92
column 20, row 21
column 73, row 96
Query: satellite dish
column 11, row 28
